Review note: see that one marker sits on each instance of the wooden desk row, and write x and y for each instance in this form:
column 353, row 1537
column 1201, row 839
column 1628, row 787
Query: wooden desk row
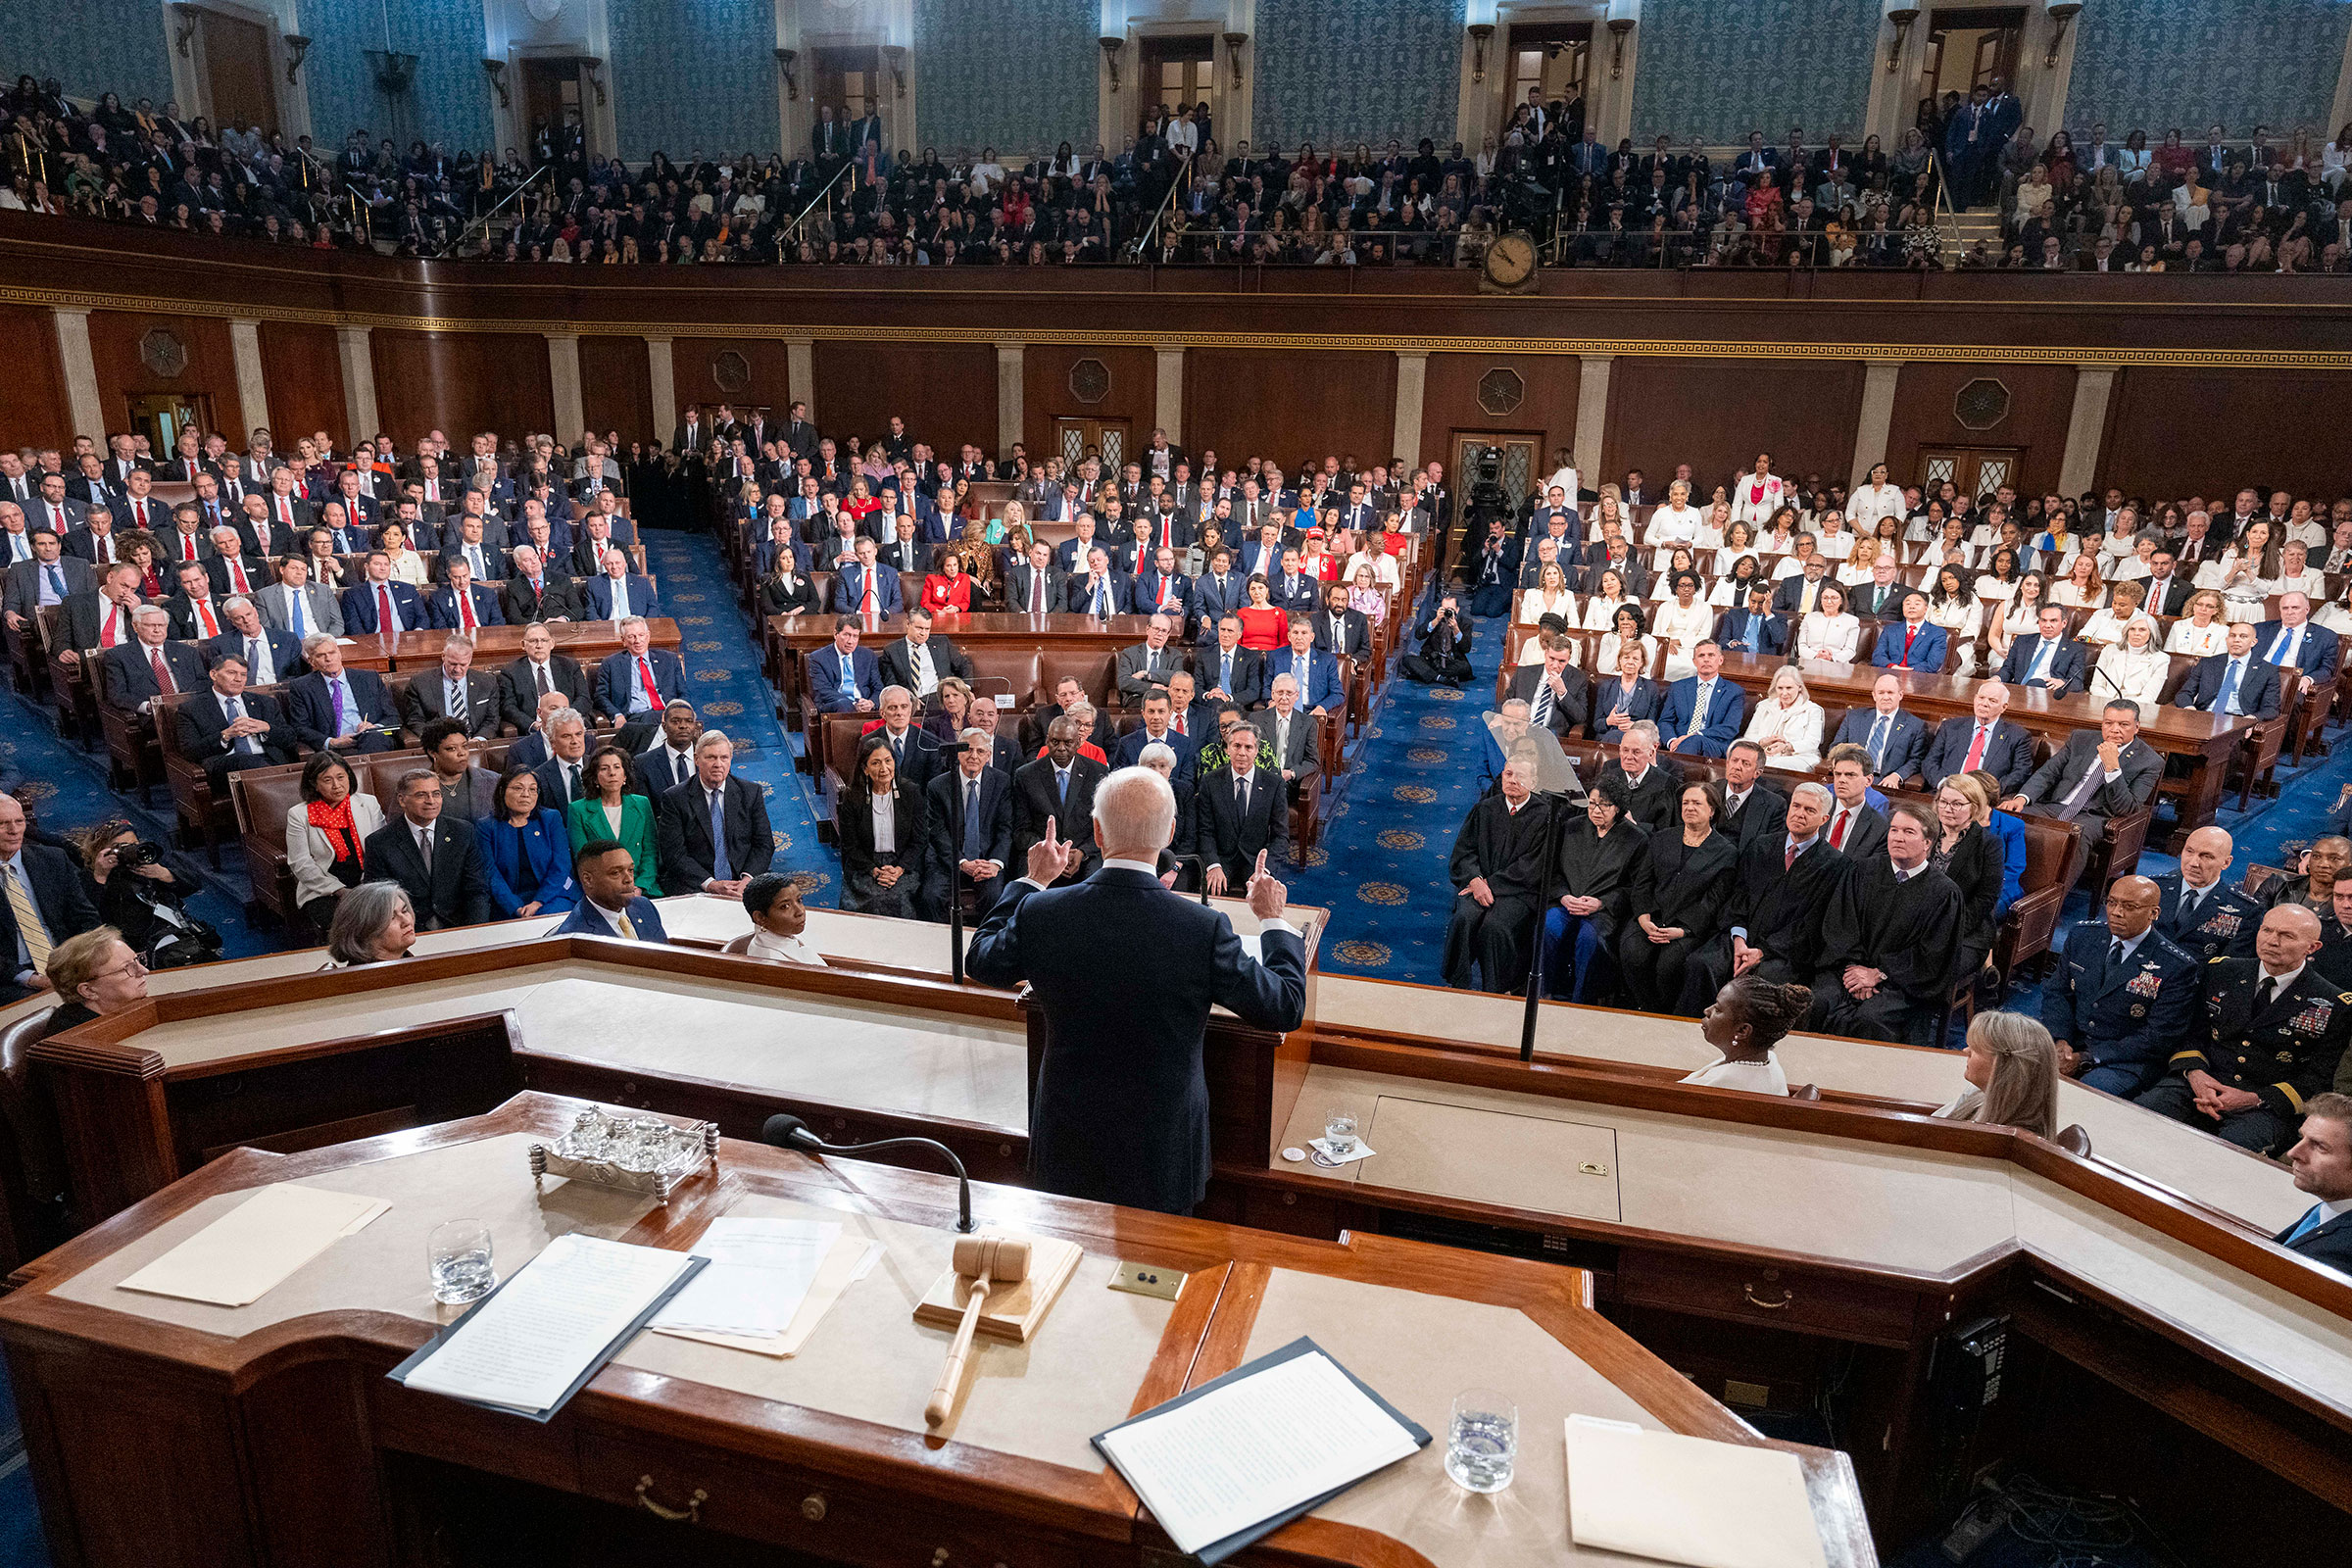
column 271, row 1434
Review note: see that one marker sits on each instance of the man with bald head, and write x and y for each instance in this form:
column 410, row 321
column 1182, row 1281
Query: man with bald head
column 2203, row 912
column 1120, row 1111
column 2123, row 995
column 2273, row 1031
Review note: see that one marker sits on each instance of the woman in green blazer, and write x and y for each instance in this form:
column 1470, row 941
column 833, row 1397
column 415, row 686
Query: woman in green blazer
column 594, row 816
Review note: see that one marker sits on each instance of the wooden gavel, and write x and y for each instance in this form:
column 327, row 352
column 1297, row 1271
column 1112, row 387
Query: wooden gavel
column 985, row 1260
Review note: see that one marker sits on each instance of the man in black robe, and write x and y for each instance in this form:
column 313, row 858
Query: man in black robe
column 1499, row 882
column 1892, row 940
column 1781, row 895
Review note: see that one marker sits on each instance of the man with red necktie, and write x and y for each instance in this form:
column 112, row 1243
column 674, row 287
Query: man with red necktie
column 229, row 572
column 136, row 673
column 634, row 685
column 194, row 616
column 458, row 605
column 139, row 508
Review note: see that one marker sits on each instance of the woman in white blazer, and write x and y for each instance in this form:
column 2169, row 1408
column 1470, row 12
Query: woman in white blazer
column 1828, row 633
column 1788, row 723
column 2134, row 667
column 325, row 832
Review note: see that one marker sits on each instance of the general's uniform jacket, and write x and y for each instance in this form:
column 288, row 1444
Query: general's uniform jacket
column 2286, row 1052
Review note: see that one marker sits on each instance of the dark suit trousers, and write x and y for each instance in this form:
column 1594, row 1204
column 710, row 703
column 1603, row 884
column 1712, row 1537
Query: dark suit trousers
column 2259, row 1128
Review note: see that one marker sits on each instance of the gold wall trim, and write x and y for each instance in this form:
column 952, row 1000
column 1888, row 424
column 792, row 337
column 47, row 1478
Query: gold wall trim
column 1291, row 342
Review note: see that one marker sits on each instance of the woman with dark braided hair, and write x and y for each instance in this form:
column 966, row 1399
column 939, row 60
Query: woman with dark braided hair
column 1747, row 1019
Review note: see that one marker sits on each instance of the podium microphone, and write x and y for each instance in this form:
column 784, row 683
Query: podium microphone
column 787, row 1131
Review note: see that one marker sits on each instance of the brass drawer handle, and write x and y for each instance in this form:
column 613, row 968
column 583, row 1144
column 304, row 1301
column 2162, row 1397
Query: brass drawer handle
column 813, row 1508
column 691, row 1513
column 1753, row 1299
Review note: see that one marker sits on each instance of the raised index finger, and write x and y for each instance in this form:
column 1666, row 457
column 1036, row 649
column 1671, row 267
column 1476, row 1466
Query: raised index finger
column 1261, row 862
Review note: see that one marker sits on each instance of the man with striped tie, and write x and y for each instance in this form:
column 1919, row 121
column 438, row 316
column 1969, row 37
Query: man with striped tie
column 43, row 907
column 2321, row 1160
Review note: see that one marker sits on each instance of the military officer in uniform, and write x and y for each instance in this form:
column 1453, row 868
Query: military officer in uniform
column 2123, row 995
column 2200, row 912
column 2275, row 1029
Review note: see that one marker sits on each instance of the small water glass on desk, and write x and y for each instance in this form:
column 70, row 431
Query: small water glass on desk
column 457, row 1253
column 1481, row 1441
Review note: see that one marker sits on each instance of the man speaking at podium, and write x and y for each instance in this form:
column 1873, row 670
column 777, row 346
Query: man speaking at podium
column 1120, row 1112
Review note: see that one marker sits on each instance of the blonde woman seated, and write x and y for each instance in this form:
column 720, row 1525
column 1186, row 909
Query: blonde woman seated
column 1548, row 596
column 2012, row 1075
column 2121, row 542
column 1601, row 604
column 1788, row 723
column 2122, row 608
column 1683, row 622
column 1628, row 627
column 2134, row 667
column 1828, row 633
column 1861, row 560
column 2080, row 588
column 2204, row 631
column 1606, row 510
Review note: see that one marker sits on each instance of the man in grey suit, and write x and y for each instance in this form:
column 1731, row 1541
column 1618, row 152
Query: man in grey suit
column 54, row 511
column 1035, row 586
column 297, row 605
column 457, row 690
column 1290, row 736
column 50, row 577
column 1146, row 668
column 2097, row 776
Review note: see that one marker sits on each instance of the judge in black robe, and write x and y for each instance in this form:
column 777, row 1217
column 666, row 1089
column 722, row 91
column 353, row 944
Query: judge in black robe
column 1906, row 928
column 1680, row 887
column 1776, row 906
column 1500, row 853
column 1579, row 953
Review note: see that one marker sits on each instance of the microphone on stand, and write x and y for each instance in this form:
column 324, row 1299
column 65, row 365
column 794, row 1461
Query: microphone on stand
column 787, row 1131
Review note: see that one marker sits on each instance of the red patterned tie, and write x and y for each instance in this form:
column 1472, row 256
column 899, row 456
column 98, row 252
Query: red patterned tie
column 163, row 671
column 653, row 694
column 1838, row 833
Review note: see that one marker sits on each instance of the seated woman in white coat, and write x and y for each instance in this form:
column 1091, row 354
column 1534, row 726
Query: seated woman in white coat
column 1609, row 597
column 2204, row 630
column 1829, row 632
column 1550, row 597
column 1629, row 627
column 2106, row 625
column 1682, row 624
column 1788, row 723
column 2134, row 667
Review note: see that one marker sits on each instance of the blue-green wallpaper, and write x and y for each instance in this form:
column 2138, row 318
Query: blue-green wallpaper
column 1014, row 75
column 91, row 47
column 1716, row 69
column 2157, row 63
column 448, row 101
column 702, row 74
column 1339, row 72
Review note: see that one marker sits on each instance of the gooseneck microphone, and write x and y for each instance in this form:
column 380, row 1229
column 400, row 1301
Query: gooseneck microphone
column 787, row 1131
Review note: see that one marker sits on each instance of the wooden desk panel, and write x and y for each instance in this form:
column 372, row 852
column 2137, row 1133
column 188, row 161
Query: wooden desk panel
column 791, row 638
column 587, row 641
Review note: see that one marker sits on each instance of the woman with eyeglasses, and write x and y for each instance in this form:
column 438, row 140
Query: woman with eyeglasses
column 95, row 975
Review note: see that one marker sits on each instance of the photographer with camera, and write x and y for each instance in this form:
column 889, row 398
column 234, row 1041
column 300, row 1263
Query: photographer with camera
column 141, row 889
column 1445, row 656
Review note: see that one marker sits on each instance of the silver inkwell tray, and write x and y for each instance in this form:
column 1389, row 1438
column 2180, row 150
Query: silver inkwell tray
column 632, row 1153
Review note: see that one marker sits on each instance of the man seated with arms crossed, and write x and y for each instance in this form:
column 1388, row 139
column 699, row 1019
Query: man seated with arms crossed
column 2273, row 1035
column 2121, row 993
column 610, row 905
column 2321, row 1160
column 1121, row 1107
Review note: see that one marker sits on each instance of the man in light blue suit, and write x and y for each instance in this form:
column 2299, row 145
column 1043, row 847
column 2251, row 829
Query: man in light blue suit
column 1702, row 712
column 1317, row 671
column 610, row 904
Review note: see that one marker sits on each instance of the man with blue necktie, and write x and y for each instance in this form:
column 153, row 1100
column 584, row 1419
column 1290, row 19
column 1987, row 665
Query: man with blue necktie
column 1702, row 712
column 50, row 577
column 1896, row 740
column 714, row 835
column 1753, row 630
column 2233, row 681
column 2293, row 642
column 2321, row 1160
column 1232, row 674
column 2053, row 660
column 1098, row 592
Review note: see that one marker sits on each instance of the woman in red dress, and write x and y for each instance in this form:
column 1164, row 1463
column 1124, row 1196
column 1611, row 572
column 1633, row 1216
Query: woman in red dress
column 947, row 589
column 1264, row 626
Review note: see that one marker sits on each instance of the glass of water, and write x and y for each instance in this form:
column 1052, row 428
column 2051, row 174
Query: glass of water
column 1481, row 1441
column 1338, row 1131
column 459, row 1255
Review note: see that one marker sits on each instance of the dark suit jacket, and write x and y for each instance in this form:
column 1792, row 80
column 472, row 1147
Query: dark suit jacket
column 428, row 699
column 1033, row 800
column 1355, row 634
column 1566, row 714
column 1764, row 816
column 202, row 723
column 685, row 851
column 2008, row 753
column 2067, row 664
column 1770, row 634
column 443, row 607
column 849, row 590
column 457, row 892
column 895, row 666
column 1788, row 593
column 2329, row 1244
column 1865, row 834
column 518, row 692
column 996, row 822
column 557, row 598
column 826, row 682
column 1118, row 593
column 66, row 909
column 2060, row 776
column 311, row 706
column 617, row 678
column 1021, row 595
column 1644, row 702
column 1122, row 1054
column 285, row 654
column 2257, row 692
column 1249, row 687
column 128, row 679
column 1906, row 739
column 362, row 614
column 1223, row 835
column 2319, row 656
column 584, row 920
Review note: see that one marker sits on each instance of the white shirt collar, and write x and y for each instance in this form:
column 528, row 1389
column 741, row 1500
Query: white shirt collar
column 1149, row 868
column 2286, row 981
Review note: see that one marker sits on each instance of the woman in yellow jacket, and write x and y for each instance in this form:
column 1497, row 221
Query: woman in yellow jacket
column 611, row 812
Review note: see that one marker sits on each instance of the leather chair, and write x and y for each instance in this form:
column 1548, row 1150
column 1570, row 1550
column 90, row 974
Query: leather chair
column 205, row 815
column 2073, row 1139
column 32, row 1165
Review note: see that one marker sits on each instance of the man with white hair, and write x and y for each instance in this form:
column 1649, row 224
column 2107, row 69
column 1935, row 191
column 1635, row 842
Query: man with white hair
column 1120, row 1111
column 137, row 672
column 970, row 818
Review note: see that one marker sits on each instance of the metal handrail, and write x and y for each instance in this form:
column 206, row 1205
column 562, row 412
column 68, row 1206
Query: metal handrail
column 482, row 224
column 1947, row 219
column 1142, row 241
column 824, row 195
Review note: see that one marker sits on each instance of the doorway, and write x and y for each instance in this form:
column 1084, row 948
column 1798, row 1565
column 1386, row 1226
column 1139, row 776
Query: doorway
column 1521, row 451
column 1975, row 472
column 160, row 417
column 1552, row 57
column 1970, row 45
column 851, row 81
column 236, row 71
column 1178, row 71
column 554, row 107
column 1076, row 438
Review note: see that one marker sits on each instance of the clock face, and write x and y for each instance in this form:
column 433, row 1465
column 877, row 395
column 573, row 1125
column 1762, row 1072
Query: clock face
column 544, row 9
column 1510, row 260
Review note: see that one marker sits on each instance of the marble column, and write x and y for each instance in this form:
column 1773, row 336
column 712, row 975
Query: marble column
column 2087, row 430
column 358, row 359
column 660, row 376
column 1009, row 369
column 1879, row 378
column 1412, row 384
column 1167, row 402
column 83, row 403
column 1592, row 417
column 564, row 377
column 253, row 390
column 800, row 374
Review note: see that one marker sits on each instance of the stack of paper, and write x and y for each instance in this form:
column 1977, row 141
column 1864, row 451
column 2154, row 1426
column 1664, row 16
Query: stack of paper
column 1688, row 1500
column 532, row 1342
column 1224, row 1464
column 249, row 1251
column 775, row 1309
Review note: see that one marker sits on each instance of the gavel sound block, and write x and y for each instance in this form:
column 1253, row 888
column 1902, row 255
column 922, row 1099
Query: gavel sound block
column 999, row 1287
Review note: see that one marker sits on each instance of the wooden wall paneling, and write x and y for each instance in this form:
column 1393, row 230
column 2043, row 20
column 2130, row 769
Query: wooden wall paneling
column 2041, row 403
column 32, row 395
column 1134, row 394
column 2179, row 432
column 462, row 381
column 302, row 370
column 210, row 368
column 946, row 392
column 1289, row 405
column 1547, row 401
column 615, row 389
column 748, row 373
column 1717, row 415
